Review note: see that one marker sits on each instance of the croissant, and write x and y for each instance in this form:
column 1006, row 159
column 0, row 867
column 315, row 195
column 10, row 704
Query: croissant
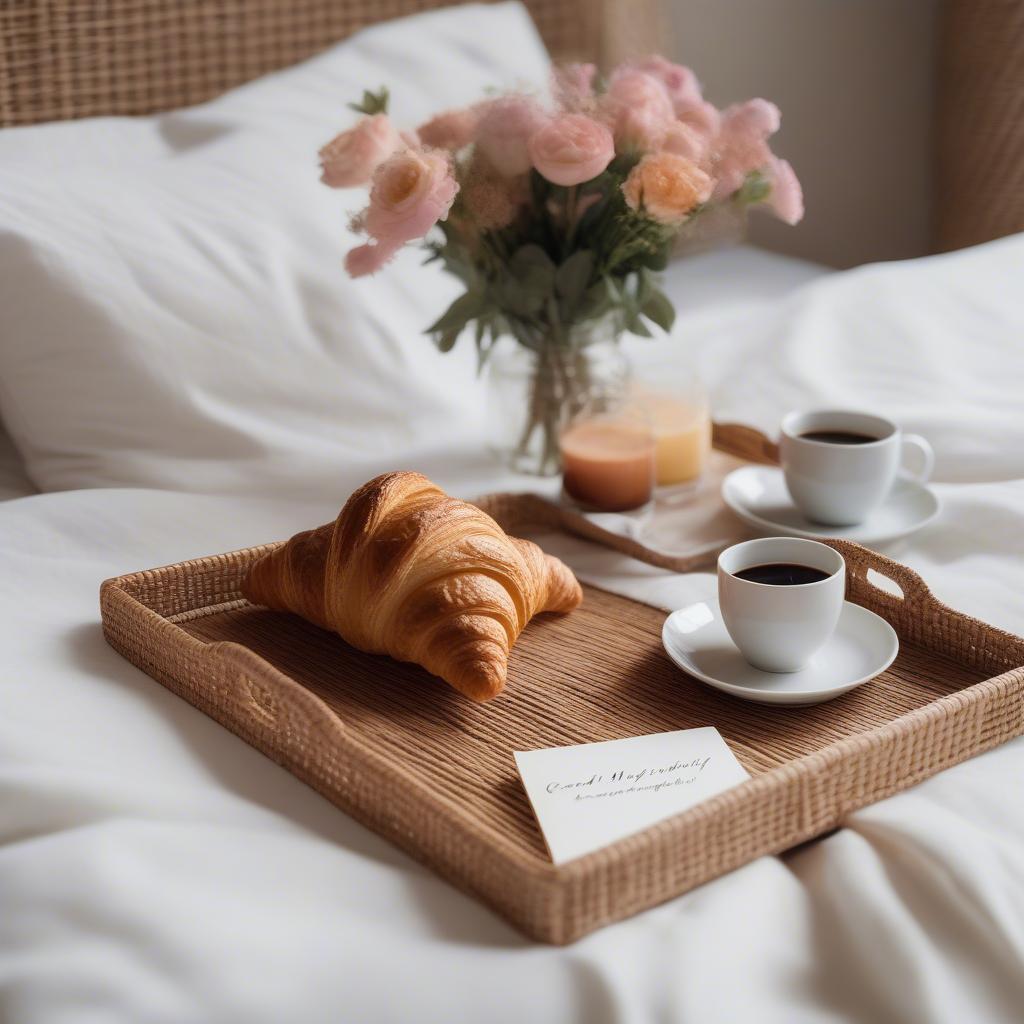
column 407, row 571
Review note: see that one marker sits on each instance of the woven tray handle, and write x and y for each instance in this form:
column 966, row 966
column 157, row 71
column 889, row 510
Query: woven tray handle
column 914, row 596
column 269, row 704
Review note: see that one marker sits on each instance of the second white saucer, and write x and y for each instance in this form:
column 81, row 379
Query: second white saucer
column 863, row 645
column 758, row 495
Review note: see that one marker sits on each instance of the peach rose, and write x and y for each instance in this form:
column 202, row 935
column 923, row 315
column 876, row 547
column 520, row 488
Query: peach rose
column 351, row 157
column 412, row 191
column 571, row 149
column 666, row 187
column 504, row 131
column 451, row 129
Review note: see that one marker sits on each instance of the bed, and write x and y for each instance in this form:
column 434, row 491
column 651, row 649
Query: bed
column 155, row 868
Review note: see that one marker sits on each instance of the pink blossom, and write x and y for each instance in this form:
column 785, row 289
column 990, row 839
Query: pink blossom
column 640, row 130
column 681, row 139
column 492, row 203
column 679, row 81
column 451, row 129
column 701, row 116
column 786, row 199
column 504, row 131
column 412, row 191
column 742, row 143
column 571, row 149
column 638, row 109
column 352, row 157
column 572, row 86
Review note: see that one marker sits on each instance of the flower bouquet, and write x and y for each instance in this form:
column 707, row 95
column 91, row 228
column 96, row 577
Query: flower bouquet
column 557, row 212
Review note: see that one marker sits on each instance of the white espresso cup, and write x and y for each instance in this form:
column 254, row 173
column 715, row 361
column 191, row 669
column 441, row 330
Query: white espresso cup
column 779, row 628
column 841, row 484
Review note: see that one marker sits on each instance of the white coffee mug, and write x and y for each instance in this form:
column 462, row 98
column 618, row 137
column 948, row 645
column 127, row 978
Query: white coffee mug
column 841, row 484
column 779, row 628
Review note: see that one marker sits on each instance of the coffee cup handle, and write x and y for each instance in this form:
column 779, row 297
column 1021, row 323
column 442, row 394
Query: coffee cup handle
column 925, row 457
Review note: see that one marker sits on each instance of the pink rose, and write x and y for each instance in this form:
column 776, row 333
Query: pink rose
column 786, row 199
column 352, row 157
column 681, row 139
column 701, row 116
column 572, row 86
column 412, row 191
column 742, row 143
column 451, row 129
column 503, row 133
column 639, row 130
column 680, row 82
column 638, row 109
column 571, row 149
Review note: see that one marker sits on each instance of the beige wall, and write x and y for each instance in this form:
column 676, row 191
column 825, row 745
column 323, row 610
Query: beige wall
column 854, row 81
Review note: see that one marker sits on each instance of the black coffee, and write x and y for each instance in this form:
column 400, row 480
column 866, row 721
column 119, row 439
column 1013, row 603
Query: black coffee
column 838, row 437
column 782, row 574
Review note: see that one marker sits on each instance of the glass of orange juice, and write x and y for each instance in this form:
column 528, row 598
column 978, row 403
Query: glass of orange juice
column 674, row 400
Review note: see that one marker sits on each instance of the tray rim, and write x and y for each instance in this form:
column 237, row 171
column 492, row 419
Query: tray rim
column 560, row 904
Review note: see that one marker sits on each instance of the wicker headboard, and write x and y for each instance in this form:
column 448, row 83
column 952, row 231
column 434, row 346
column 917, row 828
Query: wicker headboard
column 78, row 58
column 979, row 187
column 63, row 59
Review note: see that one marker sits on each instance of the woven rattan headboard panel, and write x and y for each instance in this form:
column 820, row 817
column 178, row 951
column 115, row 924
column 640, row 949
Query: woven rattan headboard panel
column 78, row 58
column 979, row 189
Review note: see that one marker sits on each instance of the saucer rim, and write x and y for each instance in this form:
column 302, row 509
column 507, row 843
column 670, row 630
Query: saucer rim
column 852, row 533
column 785, row 697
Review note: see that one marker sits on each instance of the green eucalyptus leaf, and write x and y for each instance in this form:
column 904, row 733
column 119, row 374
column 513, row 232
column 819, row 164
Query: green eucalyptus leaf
column 596, row 302
column 573, row 276
column 531, row 259
column 465, row 308
column 372, row 102
column 636, row 326
column 657, row 259
column 659, row 310
column 755, row 189
column 517, row 298
column 446, row 340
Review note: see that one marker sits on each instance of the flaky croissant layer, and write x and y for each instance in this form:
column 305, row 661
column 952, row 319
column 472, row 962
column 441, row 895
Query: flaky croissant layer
column 407, row 571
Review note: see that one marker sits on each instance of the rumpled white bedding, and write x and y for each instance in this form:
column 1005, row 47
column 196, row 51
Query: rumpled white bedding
column 154, row 868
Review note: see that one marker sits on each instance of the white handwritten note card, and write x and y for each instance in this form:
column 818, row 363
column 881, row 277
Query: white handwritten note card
column 590, row 795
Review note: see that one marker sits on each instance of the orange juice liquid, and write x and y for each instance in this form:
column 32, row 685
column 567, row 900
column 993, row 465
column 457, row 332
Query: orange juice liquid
column 682, row 435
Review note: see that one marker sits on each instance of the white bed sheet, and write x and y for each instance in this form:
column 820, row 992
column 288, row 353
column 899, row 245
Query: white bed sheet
column 155, row 868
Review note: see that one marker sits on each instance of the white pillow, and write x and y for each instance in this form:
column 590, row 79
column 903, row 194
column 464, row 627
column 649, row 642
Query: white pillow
column 174, row 308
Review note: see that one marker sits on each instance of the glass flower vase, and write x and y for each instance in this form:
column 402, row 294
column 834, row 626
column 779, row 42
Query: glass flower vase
column 534, row 392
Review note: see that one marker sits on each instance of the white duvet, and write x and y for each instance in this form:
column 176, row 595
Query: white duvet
column 154, row 868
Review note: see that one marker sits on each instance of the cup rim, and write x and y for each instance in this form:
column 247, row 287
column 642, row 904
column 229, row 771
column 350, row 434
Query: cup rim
column 891, row 428
column 799, row 542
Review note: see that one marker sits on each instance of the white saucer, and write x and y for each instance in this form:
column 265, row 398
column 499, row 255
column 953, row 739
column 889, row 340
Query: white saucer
column 862, row 646
column 758, row 495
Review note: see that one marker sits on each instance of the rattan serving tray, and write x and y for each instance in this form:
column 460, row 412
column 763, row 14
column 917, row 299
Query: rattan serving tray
column 433, row 772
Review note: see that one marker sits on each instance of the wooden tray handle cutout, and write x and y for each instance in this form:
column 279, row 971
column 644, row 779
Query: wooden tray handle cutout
column 862, row 563
column 270, row 703
column 745, row 443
